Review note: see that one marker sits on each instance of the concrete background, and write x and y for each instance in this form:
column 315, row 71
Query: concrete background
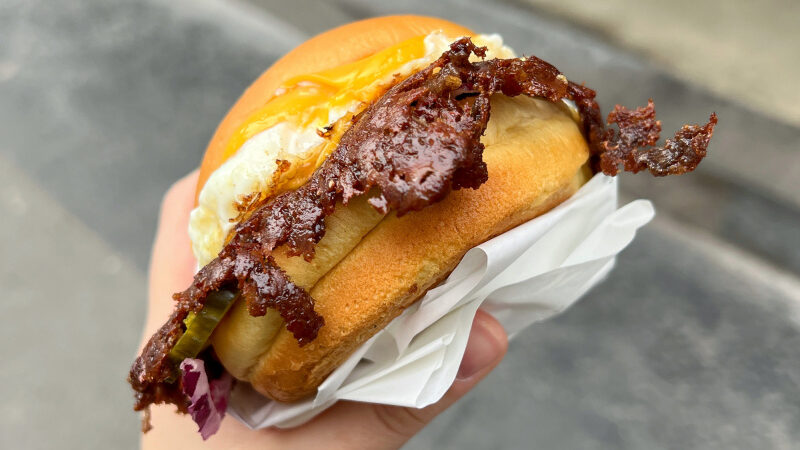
column 693, row 342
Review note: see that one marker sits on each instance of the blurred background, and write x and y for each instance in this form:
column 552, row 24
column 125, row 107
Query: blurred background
column 693, row 342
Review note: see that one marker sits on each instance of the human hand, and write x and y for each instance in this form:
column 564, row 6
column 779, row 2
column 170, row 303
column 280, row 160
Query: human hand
column 348, row 425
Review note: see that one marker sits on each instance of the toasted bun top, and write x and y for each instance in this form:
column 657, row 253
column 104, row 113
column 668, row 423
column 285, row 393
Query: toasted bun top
column 332, row 48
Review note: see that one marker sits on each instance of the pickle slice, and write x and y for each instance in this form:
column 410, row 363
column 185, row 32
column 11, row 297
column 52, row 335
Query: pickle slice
column 200, row 327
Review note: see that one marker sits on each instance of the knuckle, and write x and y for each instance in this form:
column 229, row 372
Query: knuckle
column 173, row 192
column 398, row 421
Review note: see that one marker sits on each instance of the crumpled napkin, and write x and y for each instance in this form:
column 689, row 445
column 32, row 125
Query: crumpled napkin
column 524, row 276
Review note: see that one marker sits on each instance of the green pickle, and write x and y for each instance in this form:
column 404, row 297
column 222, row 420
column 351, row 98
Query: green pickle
column 200, row 326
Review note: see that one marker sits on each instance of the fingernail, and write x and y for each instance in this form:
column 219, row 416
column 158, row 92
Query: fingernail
column 483, row 348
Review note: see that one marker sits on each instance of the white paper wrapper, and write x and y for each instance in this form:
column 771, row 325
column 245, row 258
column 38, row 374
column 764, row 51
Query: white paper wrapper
column 523, row 276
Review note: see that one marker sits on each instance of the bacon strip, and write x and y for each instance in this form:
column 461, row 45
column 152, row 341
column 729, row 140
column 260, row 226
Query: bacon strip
column 633, row 145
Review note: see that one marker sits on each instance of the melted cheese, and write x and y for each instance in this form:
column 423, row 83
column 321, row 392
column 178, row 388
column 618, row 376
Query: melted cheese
column 307, row 100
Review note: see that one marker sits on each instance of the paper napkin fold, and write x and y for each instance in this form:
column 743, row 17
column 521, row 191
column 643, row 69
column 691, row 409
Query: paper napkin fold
column 523, row 276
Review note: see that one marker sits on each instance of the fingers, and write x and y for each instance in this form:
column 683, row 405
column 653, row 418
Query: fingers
column 362, row 425
column 172, row 264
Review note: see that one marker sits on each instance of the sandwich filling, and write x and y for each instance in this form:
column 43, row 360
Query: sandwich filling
column 407, row 150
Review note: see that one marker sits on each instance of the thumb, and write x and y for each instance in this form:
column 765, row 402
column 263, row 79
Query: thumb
column 374, row 426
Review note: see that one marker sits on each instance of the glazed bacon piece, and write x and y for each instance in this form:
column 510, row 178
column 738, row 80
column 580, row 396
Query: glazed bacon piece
column 633, row 144
column 415, row 144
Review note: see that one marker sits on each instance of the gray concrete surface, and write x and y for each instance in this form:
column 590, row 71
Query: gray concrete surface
column 693, row 342
column 71, row 311
column 745, row 51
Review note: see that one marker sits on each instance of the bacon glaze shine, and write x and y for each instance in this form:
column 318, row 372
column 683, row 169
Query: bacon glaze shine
column 409, row 149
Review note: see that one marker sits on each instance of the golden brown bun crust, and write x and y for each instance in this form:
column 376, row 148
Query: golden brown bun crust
column 332, row 48
column 535, row 154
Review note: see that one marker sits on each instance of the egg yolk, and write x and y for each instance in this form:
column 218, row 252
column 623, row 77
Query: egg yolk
column 307, row 100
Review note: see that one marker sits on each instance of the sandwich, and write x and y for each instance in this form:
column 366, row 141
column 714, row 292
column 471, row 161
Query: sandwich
column 351, row 178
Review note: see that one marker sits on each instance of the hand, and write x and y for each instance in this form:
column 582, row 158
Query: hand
column 348, row 425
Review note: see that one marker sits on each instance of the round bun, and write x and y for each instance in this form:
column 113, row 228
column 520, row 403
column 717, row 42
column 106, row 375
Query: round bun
column 369, row 267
